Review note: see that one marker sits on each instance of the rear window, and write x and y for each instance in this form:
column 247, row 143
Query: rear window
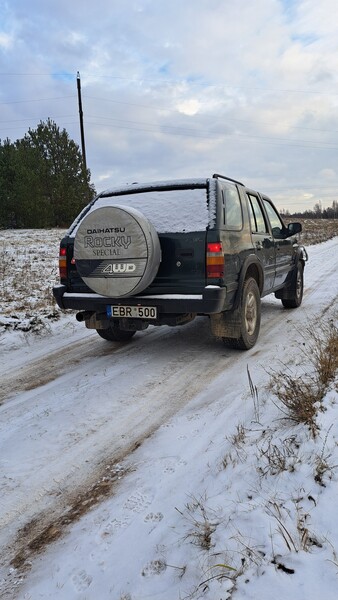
column 170, row 211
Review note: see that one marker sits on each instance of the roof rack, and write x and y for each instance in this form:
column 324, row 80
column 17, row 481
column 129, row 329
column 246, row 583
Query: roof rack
column 218, row 176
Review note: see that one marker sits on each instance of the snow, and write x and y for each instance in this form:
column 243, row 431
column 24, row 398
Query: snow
column 212, row 492
column 137, row 187
column 29, row 260
column 175, row 210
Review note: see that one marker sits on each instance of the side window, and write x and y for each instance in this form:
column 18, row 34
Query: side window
column 277, row 225
column 258, row 224
column 232, row 208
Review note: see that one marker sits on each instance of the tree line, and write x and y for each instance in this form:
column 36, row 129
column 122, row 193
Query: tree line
column 42, row 180
column 331, row 212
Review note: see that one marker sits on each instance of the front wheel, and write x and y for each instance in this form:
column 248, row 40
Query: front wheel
column 250, row 317
column 295, row 294
column 114, row 334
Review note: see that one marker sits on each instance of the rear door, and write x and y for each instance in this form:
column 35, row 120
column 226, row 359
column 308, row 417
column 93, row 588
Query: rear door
column 182, row 269
column 264, row 243
column 181, row 217
column 233, row 234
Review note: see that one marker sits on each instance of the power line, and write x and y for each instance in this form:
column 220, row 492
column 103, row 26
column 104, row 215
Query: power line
column 261, row 139
column 181, row 81
column 176, row 131
column 206, row 117
column 38, row 100
column 183, row 129
column 30, row 118
column 156, row 108
column 218, row 85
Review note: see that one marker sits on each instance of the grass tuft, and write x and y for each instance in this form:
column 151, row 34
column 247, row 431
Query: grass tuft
column 300, row 396
column 298, row 399
column 203, row 523
column 325, row 354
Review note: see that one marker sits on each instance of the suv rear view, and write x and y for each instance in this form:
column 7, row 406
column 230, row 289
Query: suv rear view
column 163, row 253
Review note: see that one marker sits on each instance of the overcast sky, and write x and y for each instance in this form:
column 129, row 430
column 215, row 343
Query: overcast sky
column 182, row 88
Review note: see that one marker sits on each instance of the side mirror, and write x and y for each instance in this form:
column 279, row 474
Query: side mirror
column 293, row 228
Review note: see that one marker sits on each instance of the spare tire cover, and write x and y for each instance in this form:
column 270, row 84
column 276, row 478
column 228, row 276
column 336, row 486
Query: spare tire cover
column 117, row 251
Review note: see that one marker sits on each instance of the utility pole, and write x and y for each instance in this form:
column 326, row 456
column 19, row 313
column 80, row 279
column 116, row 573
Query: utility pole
column 81, row 123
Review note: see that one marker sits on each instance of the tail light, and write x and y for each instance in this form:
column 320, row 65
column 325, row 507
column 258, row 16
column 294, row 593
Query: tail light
column 63, row 263
column 215, row 260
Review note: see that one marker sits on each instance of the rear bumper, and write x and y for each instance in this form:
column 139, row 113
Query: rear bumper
column 212, row 300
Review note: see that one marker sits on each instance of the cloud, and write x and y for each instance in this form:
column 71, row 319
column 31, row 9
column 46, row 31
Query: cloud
column 6, row 41
column 189, row 107
column 328, row 174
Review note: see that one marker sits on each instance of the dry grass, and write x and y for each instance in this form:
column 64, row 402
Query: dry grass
column 28, row 272
column 300, row 396
column 324, row 469
column 23, row 273
column 315, row 231
column 324, row 354
column 254, row 395
column 238, row 438
column 298, row 399
column 203, row 523
column 295, row 532
column 278, row 457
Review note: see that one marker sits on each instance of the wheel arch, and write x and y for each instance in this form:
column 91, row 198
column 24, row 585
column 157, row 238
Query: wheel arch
column 251, row 268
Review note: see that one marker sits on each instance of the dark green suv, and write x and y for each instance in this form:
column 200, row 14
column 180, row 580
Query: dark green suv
column 164, row 252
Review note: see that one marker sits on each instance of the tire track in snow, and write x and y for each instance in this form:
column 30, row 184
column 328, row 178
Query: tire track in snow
column 74, row 468
column 41, row 371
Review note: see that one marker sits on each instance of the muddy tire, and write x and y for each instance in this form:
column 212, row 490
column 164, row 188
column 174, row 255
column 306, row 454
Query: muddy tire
column 250, row 317
column 295, row 293
column 117, row 251
column 114, row 334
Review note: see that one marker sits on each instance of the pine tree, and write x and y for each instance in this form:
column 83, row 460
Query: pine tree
column 43, row 183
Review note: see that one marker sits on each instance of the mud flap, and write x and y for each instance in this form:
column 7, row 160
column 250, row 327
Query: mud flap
column 226, row 324
column 97, row 322
column 287, row 292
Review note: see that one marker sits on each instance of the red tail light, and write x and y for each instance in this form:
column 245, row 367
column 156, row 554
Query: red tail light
column 63, row 263
column 215, row 247
column 215, row 260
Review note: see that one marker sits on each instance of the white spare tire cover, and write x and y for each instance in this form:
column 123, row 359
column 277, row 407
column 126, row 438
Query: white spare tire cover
column 117, row 251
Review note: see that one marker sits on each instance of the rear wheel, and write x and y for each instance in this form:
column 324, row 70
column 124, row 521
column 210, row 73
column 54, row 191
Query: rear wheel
column 114, row 334
column 295, row 294
column 250, row 317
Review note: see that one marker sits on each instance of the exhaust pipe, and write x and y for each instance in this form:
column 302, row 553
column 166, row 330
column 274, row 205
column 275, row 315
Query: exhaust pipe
column 84, row 315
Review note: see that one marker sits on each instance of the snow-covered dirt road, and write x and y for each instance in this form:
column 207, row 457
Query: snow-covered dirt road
column 76, row 412
column 110, row 397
